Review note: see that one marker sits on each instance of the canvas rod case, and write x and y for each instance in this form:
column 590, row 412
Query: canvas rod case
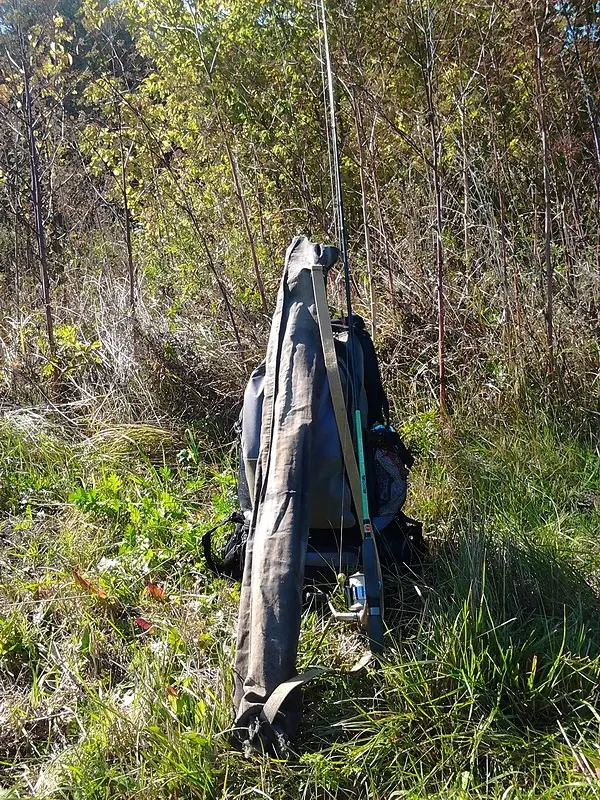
column 272, row 583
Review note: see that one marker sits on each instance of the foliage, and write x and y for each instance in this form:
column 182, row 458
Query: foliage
column 165, row 127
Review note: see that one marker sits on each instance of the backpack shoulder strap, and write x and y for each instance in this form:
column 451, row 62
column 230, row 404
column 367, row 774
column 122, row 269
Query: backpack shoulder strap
column 335, row 388
column 378, row 404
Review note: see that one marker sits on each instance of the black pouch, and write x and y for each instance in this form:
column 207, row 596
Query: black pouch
column 234, row 553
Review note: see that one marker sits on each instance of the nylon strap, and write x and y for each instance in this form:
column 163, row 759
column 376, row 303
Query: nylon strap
column 273, row 705
column 278, row 697
column 337, row 394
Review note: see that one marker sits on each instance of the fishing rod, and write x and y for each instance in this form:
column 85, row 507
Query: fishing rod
column 372, row 572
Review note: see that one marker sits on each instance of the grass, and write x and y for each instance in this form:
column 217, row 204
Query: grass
column 116, row 646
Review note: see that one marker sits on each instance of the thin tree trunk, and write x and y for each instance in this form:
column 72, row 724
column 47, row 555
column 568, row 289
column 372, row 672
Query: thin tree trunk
column 589, row 97
column 503, row 249
column 188, row 208
column 244, row 211
column 436, row 147
column 235, row 174
column 16, row 275
column 221, row 286
column 363, row 191
column 127, row 220
column 465, row 182
column 37, row 200
column 427, row 67
column 381, row 223
column 543, row 124
column 16, row 271
column 439, row 255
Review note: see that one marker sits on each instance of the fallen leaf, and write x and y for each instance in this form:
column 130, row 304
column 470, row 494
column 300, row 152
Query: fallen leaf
column 172, row 691
column 587, row 766
column 144, row 624
column 156, row 592
column 88, row 585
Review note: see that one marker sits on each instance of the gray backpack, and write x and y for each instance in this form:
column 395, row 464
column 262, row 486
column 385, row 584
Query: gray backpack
column 334, row 538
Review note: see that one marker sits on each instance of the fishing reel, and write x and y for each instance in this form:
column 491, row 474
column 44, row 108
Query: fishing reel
column 355, row 595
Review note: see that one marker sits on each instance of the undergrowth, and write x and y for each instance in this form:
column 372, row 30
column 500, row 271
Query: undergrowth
column 116, row 644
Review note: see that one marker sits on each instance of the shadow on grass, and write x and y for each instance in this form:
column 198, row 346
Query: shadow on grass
column 495, row 634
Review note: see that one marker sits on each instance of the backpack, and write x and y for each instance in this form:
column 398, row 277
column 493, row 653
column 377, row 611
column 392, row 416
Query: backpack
column 334, row 537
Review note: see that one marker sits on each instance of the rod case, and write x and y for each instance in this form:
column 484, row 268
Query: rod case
column 271, row 596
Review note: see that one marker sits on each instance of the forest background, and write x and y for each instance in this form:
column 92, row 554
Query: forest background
column 156, row 158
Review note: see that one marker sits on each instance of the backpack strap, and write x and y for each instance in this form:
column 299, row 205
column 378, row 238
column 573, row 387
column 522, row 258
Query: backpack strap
column 371, row 565
column 277, row 698
column 260, row 721
column 337, row 394
column 236, row 517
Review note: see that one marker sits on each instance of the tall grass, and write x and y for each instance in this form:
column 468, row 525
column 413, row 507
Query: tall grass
column 488, row 689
